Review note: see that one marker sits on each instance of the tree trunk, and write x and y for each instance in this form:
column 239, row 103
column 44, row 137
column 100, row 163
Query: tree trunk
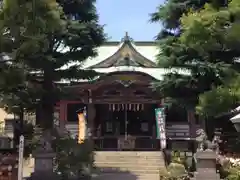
column 45, row 110
column 21, row 120
column 18, row 127
column 192, row 127
column 192, row 123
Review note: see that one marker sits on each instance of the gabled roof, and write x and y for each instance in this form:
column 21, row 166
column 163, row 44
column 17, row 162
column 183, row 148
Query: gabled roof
column 126, row 55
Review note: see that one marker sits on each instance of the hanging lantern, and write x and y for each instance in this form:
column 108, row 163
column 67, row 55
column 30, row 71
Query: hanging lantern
column 113, row 107
column 130, row 107
column 137, row 107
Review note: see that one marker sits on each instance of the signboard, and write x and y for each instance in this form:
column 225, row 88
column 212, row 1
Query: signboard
column 20, row 157
column 82, row 126
column 160, row 124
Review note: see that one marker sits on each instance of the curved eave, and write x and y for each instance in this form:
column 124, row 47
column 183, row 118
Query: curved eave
column 108, row 76
column 154, row 73
column 136, row 56
column 143, row 60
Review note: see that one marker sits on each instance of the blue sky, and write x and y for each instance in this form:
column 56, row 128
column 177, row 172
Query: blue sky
column 120, row 16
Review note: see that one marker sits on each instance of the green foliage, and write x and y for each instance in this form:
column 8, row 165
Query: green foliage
column 30, row 138
column 72, row 159
column 223, row 165
column 234, row 173
column 48, row 41
column 214, row 34
column 170, row 12
column 177, row 158
column 177, row 55
column 220, row 99
column 176, row 169
column 174, row 172
column 202, row 43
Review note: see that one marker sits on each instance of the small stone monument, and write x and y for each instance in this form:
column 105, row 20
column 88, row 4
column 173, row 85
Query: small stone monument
column 206, row 158
column 44, row 155
column 201, row 139
column 206, row 165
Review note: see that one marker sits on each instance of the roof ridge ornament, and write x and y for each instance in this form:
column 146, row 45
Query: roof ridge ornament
column 127, row 38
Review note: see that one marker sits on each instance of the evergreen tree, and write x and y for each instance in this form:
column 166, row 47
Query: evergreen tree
column 49, row 41
column 199, row 72
column 214, row 34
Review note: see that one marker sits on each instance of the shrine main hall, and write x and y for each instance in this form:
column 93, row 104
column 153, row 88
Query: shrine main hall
column 121, row 103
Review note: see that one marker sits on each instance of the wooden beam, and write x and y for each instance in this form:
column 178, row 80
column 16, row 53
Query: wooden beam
column 125, row 101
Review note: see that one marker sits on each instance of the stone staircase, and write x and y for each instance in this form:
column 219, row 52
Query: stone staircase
column 128, row 165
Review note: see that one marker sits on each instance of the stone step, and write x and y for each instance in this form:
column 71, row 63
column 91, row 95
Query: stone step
column 133, row 170
column 125, row 176
column 126, row 159
column 130, row 153
column 123, row 164
column 132, row 156
column 129, row 165
column 105, row 156
column 115, row 165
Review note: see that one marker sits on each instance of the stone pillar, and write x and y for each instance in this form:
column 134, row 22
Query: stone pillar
column 206, row 165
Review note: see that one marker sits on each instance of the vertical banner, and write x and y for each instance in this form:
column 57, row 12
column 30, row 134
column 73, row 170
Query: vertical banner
column 160, row 124
column 82, row 126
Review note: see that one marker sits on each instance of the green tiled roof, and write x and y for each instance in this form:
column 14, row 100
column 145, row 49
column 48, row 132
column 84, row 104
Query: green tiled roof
column 127, row 55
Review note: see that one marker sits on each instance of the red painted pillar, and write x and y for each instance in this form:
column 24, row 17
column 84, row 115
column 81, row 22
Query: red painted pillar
column 62, row 113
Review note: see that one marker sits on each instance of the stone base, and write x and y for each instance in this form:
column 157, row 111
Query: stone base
column 207, row 175
column 206, row 165
column 206, row 159
column 44, row 175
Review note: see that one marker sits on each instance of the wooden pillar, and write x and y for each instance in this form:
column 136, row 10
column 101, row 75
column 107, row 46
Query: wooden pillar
column 192, row 128
column 62, row 113
column 56, row 116
column 192, row 123
column 91, row 113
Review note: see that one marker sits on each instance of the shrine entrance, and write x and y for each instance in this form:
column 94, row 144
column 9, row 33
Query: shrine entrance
column 124, row 110
column 134, row 123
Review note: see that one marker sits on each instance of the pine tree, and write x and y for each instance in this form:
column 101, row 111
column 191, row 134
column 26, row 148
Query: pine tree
column 49, row 40
column 177, row 54
column 214, row 33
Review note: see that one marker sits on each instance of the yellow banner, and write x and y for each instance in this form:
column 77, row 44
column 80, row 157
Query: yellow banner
column 81, row 128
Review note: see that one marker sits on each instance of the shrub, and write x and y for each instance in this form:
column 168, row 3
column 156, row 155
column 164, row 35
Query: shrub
column 73, row 160
column 234, row 173
column 176, row 169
